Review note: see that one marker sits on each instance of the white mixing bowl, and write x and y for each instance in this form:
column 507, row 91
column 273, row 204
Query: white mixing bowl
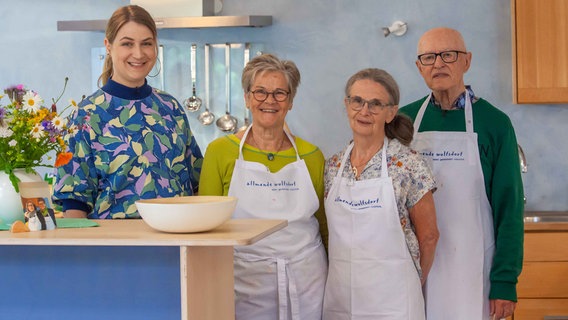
column 186, row 214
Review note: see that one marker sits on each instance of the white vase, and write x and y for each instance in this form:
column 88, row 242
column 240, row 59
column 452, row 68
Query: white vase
column 11, row 208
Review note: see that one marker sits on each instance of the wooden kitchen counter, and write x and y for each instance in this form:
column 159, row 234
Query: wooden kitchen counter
column 206, row 259
column 136, row 232
column 542, row 288
column 546, row 226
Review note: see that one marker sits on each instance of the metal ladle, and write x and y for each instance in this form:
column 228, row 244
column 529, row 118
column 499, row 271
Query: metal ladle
column 227, row 123
column 193, row 103
column 206, row 117
column 246, row 110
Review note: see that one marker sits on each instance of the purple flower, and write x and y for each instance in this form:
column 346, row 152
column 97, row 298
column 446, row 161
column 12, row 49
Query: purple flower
column 2, row 113
column 47, row 125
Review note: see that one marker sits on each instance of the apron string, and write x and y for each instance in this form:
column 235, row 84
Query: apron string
column 285, row 277
column 282, row 297
column 384, row 172
column 468, row 111
column 289, row 135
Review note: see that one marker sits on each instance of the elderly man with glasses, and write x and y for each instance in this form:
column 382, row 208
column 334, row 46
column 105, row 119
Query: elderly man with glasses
column 472, row 148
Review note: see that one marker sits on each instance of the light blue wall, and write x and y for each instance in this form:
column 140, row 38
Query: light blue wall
column 329, row 40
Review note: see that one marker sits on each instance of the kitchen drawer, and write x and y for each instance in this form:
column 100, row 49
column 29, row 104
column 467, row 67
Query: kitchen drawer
column 546, row 246
column 544, row 280
column 538, row 309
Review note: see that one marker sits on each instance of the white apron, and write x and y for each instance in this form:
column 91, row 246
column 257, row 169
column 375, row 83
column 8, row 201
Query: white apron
column 49, row 223
column 282, row 276
column 458, row 284
column 34, row 224
column 371, row 273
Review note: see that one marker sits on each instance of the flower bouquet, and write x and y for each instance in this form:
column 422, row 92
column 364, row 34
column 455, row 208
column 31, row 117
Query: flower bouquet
column 29, row 131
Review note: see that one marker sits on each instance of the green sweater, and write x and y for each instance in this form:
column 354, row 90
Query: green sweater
column 219, row 163
column 503, row 184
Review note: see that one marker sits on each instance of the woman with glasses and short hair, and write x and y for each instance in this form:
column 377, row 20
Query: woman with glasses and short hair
column 380, row 210
column 275, row 175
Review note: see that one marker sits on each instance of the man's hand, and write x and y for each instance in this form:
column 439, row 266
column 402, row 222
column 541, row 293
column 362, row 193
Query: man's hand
column 501, row 309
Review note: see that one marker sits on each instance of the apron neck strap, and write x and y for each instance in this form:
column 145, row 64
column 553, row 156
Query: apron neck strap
column 384, row 171
column 242, row 143
column 467, row 111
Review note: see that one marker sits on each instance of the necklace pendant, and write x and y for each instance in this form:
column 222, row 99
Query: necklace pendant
column 270, row 156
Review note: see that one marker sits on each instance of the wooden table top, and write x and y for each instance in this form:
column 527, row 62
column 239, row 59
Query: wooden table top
column 135, row 232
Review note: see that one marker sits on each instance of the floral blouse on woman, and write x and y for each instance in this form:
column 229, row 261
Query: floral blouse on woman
column 411, row 178
column 130, row 144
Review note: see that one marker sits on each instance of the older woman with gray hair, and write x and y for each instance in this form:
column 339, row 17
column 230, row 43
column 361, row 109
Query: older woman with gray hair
column 380, row 210
column 275, row 175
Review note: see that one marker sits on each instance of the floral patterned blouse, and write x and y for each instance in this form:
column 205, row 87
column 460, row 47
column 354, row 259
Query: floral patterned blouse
column 130, row 144
column 411, row 177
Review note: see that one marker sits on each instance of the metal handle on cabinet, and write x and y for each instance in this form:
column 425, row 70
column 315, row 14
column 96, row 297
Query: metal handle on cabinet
column 555, row 317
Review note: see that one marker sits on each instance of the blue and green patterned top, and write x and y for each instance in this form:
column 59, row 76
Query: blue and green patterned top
column 130, row 144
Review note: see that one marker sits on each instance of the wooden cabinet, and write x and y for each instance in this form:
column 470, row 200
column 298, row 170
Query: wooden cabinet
column 540, row 51
column 543, row 284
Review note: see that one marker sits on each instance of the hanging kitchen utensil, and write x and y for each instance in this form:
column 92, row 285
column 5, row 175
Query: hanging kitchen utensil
column 206, row 117
column 227, row 123
column 193, row 103
column 246, row 109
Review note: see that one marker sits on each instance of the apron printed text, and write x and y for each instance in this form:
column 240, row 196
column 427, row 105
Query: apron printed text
column 360, row 204
column 283, row 185
column 444, row 155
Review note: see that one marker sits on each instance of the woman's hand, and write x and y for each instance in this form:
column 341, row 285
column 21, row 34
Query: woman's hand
column 423, row 217
column 74, row 213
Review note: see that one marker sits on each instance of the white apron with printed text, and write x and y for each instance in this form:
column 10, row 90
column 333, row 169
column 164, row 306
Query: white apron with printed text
column 371, row 273
column 282, row 276
column 458, row 284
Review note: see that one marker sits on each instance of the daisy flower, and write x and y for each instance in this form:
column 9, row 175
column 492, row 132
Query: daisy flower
column 32, row 101
column 73, row 104
column 59, row 122
column 37, row 131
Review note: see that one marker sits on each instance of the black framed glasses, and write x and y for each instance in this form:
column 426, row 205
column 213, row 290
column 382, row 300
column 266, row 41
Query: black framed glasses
column 375, row 106
column 261, row 95
column 450, row 56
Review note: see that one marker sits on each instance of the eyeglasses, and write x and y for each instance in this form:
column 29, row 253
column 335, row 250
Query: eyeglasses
column 450, row 56
column 261, row 95
column 375, row 106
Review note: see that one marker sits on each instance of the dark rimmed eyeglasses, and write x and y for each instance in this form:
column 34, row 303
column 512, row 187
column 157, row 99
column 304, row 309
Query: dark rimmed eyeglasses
column 375, row 106
column 450, row 56
column 261, row 95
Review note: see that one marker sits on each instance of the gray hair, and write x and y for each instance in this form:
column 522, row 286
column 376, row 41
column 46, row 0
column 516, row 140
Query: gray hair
column 270, row 63
column 400, row 127
column 379, row 76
